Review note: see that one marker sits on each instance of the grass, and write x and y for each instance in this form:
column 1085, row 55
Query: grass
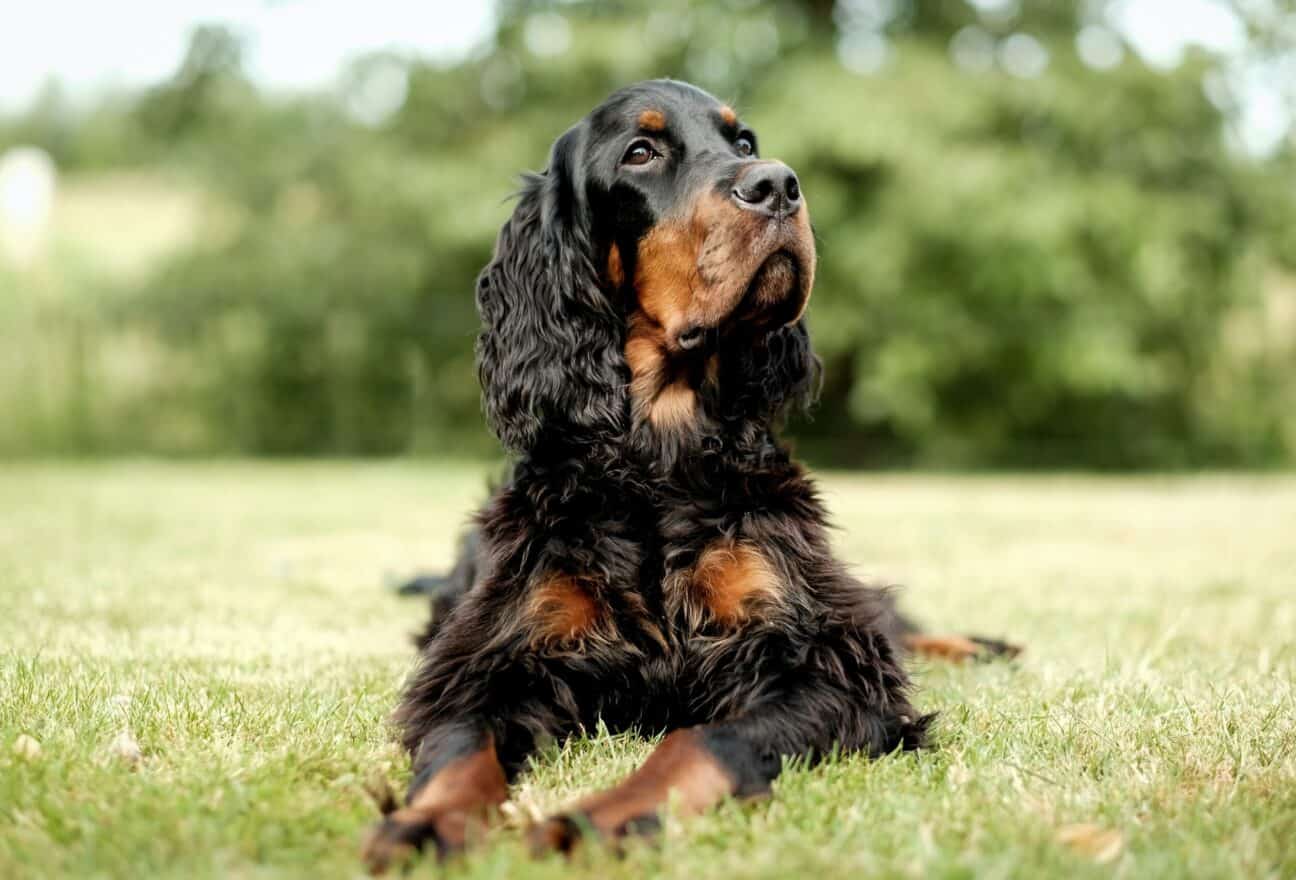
column 229, row 620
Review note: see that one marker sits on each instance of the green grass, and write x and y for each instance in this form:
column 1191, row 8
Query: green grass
column 231, row 618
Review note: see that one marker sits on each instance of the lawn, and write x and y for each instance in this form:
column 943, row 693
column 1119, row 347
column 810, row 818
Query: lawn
column 196, row 662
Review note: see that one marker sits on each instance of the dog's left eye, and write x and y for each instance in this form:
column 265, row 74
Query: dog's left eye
column 744, row 146
column 639, row 153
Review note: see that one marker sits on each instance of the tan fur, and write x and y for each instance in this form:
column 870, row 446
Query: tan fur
column 713, row 370
column 666, row 272
column 469, row 782
column 562, row 610
column 615, row 271
column 652, row 120
column 458, row 801
column 694, row 269
column 646, row 357
column 731, row 576
column 728, row 116
column 656, row 397
column 680, row 771
column 956, row 649
column 675, row 407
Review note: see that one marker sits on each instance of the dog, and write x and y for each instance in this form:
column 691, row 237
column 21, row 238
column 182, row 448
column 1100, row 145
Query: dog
column 655, row 560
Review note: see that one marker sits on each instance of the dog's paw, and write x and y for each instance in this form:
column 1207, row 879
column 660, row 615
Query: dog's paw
column 565, row 832
column 994, row 649
column 403, row 834
column 559, row 833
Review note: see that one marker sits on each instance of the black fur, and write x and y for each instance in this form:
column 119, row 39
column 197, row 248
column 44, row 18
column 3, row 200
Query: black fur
column 549, row 355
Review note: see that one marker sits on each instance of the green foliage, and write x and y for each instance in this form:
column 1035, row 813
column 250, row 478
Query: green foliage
column 1035, row 279
column 1064, row 270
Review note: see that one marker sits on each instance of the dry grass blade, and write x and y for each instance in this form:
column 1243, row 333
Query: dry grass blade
column 1103, row 845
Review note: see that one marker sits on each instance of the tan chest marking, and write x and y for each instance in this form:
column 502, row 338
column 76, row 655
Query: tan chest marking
column 562, row 610
column 732, row 576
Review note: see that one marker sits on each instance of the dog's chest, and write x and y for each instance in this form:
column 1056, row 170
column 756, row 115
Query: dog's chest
column 730, row 582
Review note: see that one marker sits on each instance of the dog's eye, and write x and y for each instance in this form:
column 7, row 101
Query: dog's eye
column 639, row 153
column 744, row 146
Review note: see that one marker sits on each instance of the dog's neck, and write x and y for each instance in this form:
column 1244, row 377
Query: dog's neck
column 681, row 402
column 665, row 387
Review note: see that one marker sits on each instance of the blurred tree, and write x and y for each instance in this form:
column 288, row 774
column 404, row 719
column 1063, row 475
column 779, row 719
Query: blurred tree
column 1036, row 250
column 204, row 92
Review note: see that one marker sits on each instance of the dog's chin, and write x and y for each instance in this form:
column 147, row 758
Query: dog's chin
column 774, row 281
column 775, row 295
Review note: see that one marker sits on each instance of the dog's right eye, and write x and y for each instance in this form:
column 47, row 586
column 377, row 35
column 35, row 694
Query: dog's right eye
column 639, row 153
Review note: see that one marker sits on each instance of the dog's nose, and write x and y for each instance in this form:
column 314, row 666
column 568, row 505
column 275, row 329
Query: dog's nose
column 771, row 188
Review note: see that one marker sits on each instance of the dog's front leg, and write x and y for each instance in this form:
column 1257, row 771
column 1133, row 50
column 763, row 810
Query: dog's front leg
column 693, row 769
column 846, row 692
column 459, row 782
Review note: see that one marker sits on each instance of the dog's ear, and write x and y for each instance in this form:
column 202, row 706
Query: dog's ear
column 550, row 351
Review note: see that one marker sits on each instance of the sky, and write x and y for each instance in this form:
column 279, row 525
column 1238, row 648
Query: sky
column 293, row 44
column 302, row 44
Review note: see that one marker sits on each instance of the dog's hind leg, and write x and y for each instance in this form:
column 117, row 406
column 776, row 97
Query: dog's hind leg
column 454, row 583
column 958, row 649
column 910, row 637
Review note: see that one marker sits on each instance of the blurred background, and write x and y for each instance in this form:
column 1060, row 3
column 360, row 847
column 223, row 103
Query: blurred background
column 1055, row 234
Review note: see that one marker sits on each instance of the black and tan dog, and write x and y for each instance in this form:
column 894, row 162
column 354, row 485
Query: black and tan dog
column 656, row 560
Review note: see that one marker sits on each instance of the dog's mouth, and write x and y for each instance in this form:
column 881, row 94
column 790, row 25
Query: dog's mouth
column 752, row 275
column 773, row 298
column 779, row 288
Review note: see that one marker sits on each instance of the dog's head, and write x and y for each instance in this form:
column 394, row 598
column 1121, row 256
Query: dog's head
column 656, row 239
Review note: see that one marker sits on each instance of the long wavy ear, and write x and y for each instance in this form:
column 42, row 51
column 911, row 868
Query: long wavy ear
column 550, row 351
